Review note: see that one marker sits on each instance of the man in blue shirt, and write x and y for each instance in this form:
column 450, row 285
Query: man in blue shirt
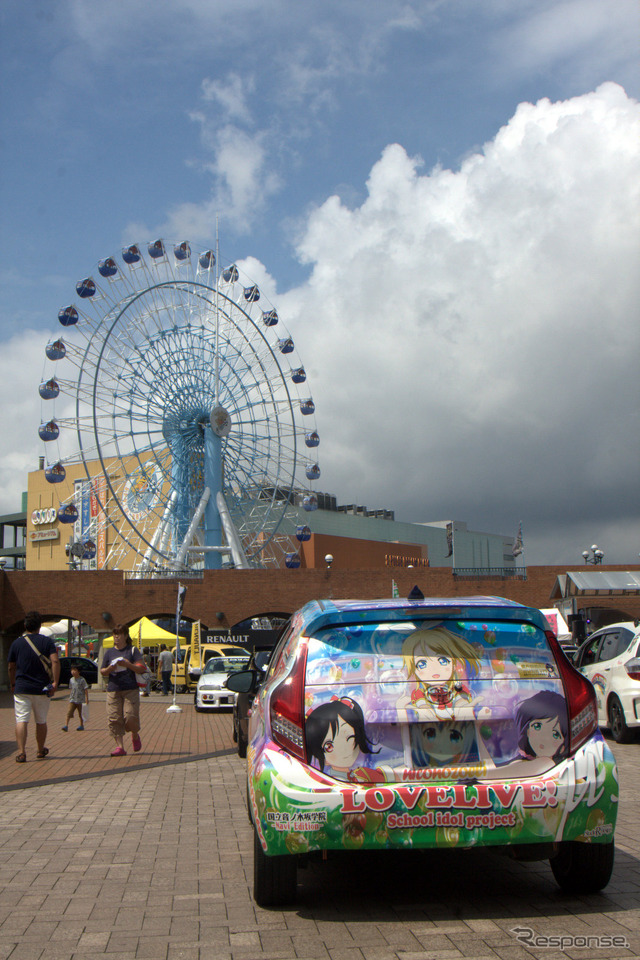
column 31, row 685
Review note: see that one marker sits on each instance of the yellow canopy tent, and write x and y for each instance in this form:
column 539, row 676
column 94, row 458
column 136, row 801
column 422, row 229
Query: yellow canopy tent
column 144, row 633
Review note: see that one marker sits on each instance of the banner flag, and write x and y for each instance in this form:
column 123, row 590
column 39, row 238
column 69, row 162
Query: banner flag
column 181, row 595
column 518, row 546
column 450, row 539
column 195, row 646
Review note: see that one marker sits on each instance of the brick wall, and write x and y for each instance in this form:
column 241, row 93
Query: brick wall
column 240, row 594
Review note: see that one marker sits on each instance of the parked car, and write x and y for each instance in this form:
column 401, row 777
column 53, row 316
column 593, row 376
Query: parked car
column 188, row 675
column 88, row 669
column 258, row 661
column 610, row 658
column 391, row 724
column 211, row 693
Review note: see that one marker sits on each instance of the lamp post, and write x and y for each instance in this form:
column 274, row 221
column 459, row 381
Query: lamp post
column 594, row 556
column 328, row 560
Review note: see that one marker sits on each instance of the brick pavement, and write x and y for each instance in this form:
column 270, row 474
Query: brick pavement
column 153, row 859
column 165, row 738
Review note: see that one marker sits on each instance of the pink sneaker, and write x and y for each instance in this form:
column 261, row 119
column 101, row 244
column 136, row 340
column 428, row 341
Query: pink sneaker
column 119, row 752
column 137, row 742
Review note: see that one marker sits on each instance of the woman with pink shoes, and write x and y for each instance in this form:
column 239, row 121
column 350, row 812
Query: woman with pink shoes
column 120, row 664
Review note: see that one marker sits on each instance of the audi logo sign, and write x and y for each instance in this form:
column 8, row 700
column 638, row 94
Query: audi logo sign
column 46, row 515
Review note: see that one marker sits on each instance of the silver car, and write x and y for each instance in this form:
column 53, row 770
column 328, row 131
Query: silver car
column 211, row 693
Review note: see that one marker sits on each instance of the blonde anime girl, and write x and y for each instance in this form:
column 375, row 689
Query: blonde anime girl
column 438, row 664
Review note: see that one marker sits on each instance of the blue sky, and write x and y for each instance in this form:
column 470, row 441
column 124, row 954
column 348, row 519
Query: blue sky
column 445, row 191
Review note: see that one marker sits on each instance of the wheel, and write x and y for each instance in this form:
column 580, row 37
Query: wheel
column 191, row 416
column 242, row 746
column 274, row 878
column 583, row 867
column 617, row 723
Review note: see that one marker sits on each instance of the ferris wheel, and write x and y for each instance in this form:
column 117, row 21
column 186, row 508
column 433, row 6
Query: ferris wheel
column 177, row 389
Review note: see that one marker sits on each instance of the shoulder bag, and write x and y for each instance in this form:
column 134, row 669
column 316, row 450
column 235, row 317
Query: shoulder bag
column 46, row 663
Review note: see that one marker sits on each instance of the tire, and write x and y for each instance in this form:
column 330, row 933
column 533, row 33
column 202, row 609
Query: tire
column 242, row 747
column 234, row 732
column 274, row 878
column 617, row 723
column 583, row 867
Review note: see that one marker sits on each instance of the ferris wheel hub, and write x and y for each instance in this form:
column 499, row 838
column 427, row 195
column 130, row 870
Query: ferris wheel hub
column 220, row 421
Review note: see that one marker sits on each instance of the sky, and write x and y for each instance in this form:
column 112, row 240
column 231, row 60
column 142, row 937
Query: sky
column 440, row 198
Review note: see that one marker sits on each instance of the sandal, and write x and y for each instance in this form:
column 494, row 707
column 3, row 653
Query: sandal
column 21, row 758
column 42, row 754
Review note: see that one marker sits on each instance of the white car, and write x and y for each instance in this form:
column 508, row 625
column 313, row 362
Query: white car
column 610, row 658
column 211, row 692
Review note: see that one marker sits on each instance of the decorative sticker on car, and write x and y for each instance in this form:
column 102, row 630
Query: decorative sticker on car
column 382, row 700
column 294, row 814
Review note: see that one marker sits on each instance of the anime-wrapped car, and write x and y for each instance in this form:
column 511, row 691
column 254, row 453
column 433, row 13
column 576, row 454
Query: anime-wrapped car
column 426, row 724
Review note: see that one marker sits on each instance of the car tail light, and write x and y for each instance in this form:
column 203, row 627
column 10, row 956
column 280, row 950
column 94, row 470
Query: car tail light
column 580, row 696
column 287, row 706
column 633, row 668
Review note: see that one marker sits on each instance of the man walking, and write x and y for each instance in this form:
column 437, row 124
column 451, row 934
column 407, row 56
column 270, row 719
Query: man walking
column 165, row 660
column 31, row 684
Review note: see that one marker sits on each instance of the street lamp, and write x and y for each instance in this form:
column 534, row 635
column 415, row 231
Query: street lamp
column 598, row 555
column 328, row 560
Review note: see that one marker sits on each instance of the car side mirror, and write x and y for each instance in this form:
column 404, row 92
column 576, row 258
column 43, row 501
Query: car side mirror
column 242, row 682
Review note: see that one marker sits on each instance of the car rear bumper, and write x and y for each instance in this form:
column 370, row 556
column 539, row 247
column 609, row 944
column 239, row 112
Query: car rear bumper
column 213, row 699
column 296, row 809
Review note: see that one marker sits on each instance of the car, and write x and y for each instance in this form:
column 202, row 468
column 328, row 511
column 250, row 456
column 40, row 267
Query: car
column 425, row 723
column 258, row 661
column 188, row 674
column 210, row 692
column 88, row 669
column 610, row 658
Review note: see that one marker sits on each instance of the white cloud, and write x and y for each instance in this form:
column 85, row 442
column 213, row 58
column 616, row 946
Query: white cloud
column 576, row 35
column 472, row 337
column 230, row 95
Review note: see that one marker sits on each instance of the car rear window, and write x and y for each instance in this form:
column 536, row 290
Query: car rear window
column 226, row 664
column 385, row 699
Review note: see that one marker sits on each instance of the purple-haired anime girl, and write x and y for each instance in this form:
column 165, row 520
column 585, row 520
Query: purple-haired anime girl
column 542, row 726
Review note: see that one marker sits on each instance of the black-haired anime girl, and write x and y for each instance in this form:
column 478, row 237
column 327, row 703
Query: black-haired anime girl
column 336, row 736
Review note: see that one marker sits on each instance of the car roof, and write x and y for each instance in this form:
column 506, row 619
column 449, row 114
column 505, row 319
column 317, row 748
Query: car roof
column 318, row 613
column 632, row 625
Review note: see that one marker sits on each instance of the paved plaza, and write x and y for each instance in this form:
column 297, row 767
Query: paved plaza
column 151, row 856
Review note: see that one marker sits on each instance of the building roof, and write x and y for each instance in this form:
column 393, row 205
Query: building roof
column 581, row 583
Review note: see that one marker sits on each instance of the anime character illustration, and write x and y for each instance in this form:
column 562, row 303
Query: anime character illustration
column 542, row 726
column 438, row 663
column 443, row 743
column 336, row 738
